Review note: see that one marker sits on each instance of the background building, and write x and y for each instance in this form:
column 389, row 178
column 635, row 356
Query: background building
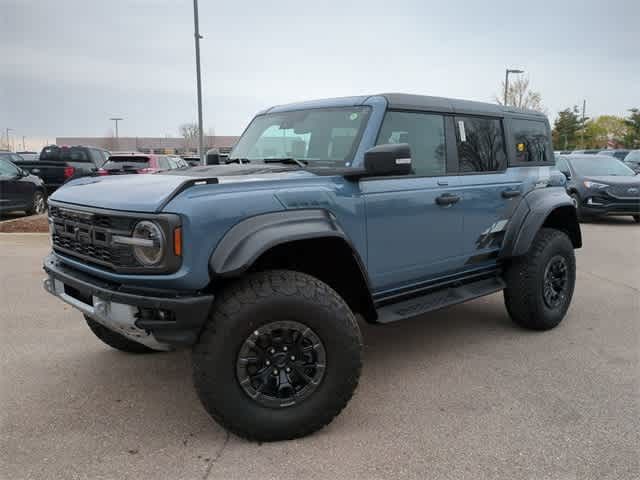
column 167, row 145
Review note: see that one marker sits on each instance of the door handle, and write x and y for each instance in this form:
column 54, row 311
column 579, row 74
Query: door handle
column 447, row 199
column 510, row 193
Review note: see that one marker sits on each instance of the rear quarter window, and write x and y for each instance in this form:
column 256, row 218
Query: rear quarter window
column 531, row 141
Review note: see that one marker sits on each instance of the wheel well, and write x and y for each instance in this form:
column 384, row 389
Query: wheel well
column 330, row 260
column 565, row 219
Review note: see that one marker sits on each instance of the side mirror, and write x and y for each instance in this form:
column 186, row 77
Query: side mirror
column 566, row 173
column 388, row 159
column 212, row 157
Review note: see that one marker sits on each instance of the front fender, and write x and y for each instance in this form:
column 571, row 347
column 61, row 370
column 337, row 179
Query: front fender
column 532, row 214
column 243, row 244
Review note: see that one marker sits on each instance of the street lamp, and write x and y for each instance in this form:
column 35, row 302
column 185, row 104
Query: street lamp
column 506, row 82
column 8, row 140
column 197, row 36
column 116, row 120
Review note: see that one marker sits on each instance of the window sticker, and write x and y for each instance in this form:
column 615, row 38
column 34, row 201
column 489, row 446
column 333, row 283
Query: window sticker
column 353, row 116
column 463, row 134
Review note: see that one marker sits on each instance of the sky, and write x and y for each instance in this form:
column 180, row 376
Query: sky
column 67, row 66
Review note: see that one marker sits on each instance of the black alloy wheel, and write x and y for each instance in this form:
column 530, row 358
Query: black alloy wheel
column 281, row 363
column 556, row 275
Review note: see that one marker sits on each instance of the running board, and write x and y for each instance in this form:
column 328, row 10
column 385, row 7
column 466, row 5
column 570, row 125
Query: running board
column 435, row 300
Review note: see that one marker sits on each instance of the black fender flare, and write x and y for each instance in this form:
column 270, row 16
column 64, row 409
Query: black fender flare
column 243, row 244
column 532, row 213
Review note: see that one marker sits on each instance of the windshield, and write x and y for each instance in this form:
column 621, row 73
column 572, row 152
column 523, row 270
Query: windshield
column 327, row 136
column 633, row 157
column 601, row 166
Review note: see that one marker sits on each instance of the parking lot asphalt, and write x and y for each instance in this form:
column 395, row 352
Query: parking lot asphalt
column 459, row 394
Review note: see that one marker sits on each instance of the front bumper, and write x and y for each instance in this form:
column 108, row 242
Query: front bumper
column 610, row 206
column 158, row 319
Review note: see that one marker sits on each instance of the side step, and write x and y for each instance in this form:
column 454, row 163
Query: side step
column 437, row 299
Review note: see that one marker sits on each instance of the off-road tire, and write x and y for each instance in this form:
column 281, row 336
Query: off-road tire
column 252, row 303
column 523, row 295
column 38, row 203
column 115, row 340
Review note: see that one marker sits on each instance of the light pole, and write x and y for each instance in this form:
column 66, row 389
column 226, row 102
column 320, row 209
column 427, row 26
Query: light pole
column 7, row 130
column 584, row 108
column 197, row 36
column 116, row 120
column 506, row 82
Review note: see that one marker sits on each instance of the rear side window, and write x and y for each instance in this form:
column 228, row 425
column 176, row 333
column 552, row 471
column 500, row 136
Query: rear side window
column 424, row 133
column 531, row 141
column 64, row 154
column 480, row 144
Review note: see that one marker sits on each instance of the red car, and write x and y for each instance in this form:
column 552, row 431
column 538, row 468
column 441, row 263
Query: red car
column 134, row 162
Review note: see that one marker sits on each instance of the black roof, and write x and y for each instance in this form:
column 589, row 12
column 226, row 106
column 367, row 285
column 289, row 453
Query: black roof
column 452, row 105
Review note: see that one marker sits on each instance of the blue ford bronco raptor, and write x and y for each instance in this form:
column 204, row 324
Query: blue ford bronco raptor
column 378, row 208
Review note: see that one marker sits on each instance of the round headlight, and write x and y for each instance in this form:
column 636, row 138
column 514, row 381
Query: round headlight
column 151, row 253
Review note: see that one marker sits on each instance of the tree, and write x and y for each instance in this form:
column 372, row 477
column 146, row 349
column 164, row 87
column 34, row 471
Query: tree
column 521, row 96
column 604, row 129
column 189, row 132
column 566, row 128
column 632, row 136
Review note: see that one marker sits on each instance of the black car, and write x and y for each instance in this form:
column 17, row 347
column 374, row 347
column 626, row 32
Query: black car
column 601, row 185
column 18, row 189
column 58, row 164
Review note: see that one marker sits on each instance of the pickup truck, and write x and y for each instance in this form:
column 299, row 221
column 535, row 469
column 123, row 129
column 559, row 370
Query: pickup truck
column 371, row 208
column 56, row 165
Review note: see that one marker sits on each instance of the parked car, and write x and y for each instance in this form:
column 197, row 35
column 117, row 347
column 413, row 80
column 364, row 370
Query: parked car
column 617, row 153
column 385, row 206
column 136, row 162
column 632, row 160
column 19, row 191
column 58, row 164
column 601, row 185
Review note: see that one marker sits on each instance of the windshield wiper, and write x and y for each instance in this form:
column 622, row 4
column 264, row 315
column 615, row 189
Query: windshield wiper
column 287, row 161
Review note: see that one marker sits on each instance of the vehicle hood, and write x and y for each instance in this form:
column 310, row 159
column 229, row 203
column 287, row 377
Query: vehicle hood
column 615, row 179
column 150, row 192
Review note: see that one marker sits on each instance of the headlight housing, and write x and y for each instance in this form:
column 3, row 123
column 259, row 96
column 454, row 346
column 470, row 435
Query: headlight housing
column 595, row 185
column 150, row 245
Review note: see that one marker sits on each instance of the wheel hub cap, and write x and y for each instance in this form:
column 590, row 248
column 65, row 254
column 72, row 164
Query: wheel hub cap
column 281, row 364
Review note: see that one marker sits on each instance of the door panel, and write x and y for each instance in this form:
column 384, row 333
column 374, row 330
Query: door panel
column 489, row 201
column 410, row 236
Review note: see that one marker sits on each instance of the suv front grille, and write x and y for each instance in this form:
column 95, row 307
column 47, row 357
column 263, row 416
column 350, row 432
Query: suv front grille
column 622, row 191
column 86, row 235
